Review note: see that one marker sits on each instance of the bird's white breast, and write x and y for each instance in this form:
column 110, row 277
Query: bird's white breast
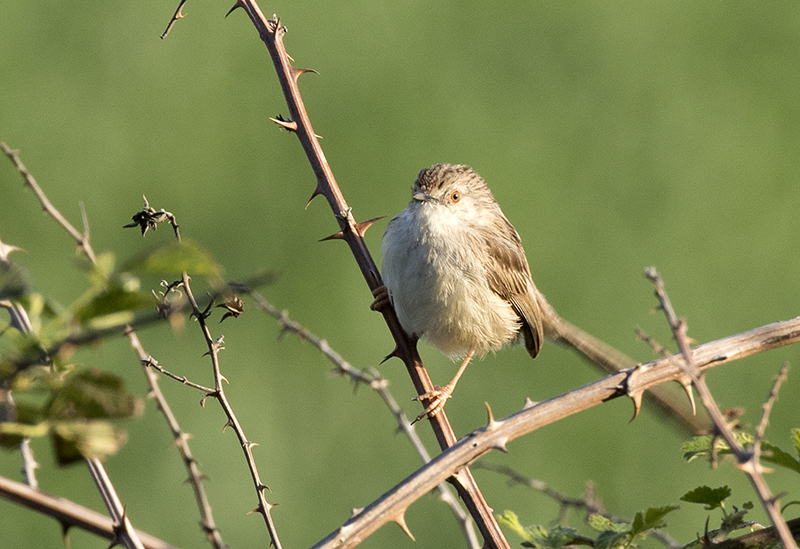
column 439, row 290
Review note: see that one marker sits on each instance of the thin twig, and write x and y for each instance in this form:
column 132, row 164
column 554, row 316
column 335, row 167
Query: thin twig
column 181, row 440
column 149, row 217
column 69, row 514
column 773, row 396
column 177, row 15
column 271, row 33
column 149, row 362
column 82, row 239
column 590, row 504
column 122, row 525
column 748, row 460
column 29, row 464
column 377, row 383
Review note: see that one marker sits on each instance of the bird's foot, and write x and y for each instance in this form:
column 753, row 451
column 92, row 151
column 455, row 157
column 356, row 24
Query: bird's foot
column 381, row 301
column 436, row 400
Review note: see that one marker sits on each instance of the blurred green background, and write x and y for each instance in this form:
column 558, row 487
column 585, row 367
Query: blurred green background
column 615, row 135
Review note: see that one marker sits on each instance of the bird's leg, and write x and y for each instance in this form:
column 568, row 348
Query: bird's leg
column 439, row 395
column 381, row 298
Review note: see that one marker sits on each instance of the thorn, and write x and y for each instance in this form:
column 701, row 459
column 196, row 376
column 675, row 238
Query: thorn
column 529, row 403
column 295, row 72
column 637, row 403
column 687, row 386
column 401, row 520
column 393, row 354
column 65, row 533
column 285, row 123
column 228, row 423
column 501, row 445
column 238, row 4
column 355, row 512
column 334, row 236
column 315, row 194
column 362, row 227
column 489, row 413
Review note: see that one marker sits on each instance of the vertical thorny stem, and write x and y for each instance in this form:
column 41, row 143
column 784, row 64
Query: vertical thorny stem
column 271, row 33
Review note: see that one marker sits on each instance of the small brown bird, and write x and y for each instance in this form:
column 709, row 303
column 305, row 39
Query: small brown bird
column 456, row 273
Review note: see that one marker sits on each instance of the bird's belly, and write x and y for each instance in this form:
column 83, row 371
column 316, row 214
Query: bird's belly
column 450, row 305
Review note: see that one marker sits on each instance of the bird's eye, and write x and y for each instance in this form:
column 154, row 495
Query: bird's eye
column 455, row 196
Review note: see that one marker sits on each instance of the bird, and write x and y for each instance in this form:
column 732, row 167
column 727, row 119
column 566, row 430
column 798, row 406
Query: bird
column 455, row 271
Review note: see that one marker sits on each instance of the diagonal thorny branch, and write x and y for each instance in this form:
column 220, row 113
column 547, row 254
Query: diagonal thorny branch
column 271, row 33
column 498, row 433
column 181, row 438
column 748, row 459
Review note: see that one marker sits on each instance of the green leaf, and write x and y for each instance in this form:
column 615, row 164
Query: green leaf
column 75, row 440
column 14, row 280
column 796, row 438
column 779, row 457
column 511, row 520
column 174, row 258
column 611, row 540
column 652, row 518
column 701, row 445
column 121, row 295
column 538, row 536
column 604, row 524
column 93, row 394
column 710, row 497
column 11, row 434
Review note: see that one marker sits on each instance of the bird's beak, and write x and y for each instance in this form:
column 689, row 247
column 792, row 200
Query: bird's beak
column 422, row 197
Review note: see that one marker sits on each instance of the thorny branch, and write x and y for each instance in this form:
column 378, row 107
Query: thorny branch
column 377, row 383
column 150, row 218
column 69, row 513
column 590, row 502
column 748, row 460
column 497, row 433
column 271, row 33
column 123, row 530
column 181, row 440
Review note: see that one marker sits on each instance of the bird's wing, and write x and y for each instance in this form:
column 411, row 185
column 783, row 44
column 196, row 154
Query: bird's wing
column 509, row 277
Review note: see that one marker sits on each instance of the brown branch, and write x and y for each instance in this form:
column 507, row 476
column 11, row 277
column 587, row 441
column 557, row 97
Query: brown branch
column 177, row 15
column 377, row 383
column 181, row 440
column 271, row 33
column 748, row 460
column 69, row 514
column 497, row 434
column 81, row 239
column 152, row 218
column 590, row 503
column 123, row 529
column 757, row 539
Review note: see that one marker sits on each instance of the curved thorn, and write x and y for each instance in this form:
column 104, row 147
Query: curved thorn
column 687, row 386
column 285, row 123
column 295, row 72
column 334, row 236
column 393, row 354
column 401, row 520
column 637, row 403
column 315, row 194
column 238, row 4
column 362, row 227
column 489, row 413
